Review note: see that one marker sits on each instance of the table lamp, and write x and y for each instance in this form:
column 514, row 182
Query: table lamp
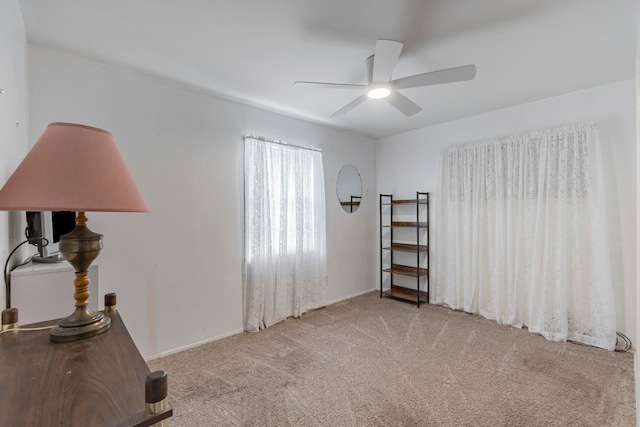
column 76, row 168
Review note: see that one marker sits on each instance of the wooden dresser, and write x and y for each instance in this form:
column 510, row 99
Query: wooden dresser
column 97, row 381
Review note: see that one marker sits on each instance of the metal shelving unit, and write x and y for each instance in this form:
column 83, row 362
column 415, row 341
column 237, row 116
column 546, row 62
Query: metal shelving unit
column 420, row 247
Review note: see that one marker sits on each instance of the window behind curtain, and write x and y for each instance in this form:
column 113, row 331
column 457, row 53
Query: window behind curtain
column 284, row 235
column 521, row 234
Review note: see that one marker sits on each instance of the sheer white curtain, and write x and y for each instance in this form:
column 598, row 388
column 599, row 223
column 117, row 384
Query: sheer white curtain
column 284, row 232
column 521, row 234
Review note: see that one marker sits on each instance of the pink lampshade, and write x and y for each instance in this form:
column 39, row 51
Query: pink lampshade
column 73, row 167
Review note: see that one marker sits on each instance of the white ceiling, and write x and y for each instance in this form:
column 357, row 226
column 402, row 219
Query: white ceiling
column 253, row 51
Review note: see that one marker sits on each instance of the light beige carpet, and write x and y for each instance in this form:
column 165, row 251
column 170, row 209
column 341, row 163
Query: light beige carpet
column 381, row 362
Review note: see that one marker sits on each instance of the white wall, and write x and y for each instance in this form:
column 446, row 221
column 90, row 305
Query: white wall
column 13, row 118
column 409, row 162
column 177, row 270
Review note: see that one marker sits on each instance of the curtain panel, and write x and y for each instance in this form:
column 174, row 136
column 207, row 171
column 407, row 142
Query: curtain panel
column 522, row 234
column 284, row 232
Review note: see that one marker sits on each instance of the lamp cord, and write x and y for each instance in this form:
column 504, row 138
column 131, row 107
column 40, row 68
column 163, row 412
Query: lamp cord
column 626, row 343
column 7, row 282
column 42, row 328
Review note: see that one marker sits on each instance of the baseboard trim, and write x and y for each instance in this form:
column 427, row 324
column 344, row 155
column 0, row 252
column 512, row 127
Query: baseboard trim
column 237, row 331
column 195, row 344
column 351, row 296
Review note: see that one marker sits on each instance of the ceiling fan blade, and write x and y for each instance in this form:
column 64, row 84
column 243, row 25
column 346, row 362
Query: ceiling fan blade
column 450, row 75
column 403, row 104
column 368, row 69
column 331, row 85
column 350, row 106
column 385, row 59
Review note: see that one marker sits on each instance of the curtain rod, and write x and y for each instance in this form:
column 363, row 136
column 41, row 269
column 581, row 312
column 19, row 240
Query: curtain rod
column 276, row 141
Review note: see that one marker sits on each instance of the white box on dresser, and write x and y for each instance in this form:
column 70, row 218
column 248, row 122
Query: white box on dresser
column 45, row 291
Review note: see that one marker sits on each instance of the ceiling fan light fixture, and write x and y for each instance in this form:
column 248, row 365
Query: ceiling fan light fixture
column 379, row 92
column 379, row 83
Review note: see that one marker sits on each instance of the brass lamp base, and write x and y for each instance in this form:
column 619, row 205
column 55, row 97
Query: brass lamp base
column 80, row 247
column 68, row 331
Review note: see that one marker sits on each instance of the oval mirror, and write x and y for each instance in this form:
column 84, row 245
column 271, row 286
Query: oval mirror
column 349, row 188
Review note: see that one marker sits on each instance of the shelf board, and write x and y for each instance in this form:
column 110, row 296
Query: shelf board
column 407, row 202
column 405, row 270
column 406, row 294
column 406, row 247
column 350, row 203
column 407, row 224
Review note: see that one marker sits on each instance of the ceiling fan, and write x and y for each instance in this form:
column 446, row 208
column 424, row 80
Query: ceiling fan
column 378, row 70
